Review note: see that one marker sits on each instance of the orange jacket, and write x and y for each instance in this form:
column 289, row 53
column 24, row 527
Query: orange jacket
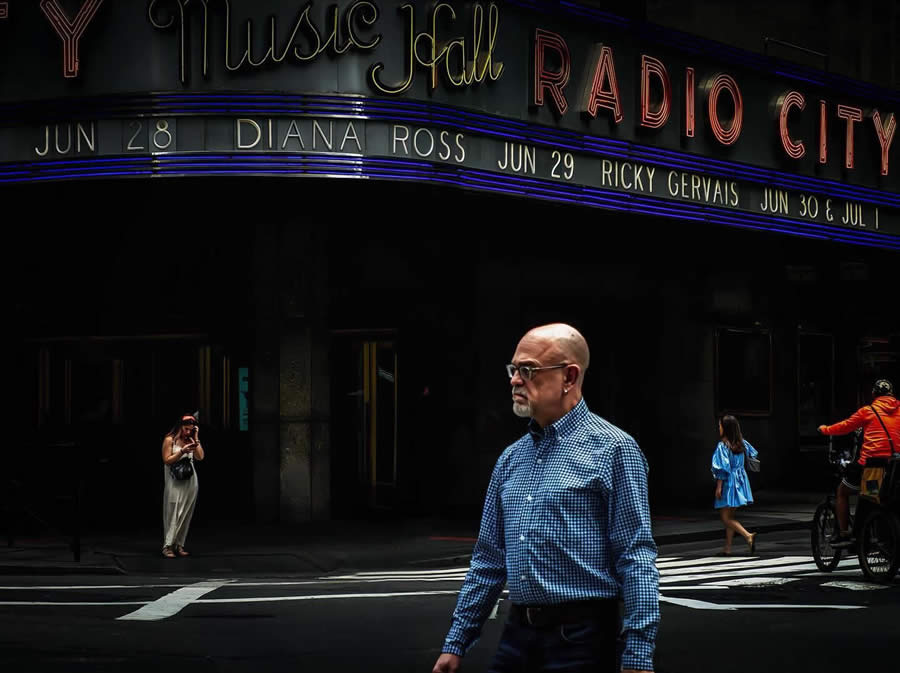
column 875, row 442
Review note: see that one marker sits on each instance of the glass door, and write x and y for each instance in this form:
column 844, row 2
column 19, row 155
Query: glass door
column 364, row 424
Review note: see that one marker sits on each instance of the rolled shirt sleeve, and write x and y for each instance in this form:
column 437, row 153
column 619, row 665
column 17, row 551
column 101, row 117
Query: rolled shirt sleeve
column 634, row 553
column 486, row 577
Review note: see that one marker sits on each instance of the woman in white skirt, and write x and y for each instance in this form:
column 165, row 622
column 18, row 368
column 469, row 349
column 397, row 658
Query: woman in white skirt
column 180, row 495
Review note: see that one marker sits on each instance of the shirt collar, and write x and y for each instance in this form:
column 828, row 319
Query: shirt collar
column 563, row 426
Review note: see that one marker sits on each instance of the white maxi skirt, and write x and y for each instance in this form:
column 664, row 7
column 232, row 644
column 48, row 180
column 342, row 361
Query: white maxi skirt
column 179, row 500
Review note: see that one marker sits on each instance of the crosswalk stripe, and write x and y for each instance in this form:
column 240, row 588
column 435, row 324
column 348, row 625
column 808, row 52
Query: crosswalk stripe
column 694, row 603
column 81, row 587
column 704, row 605
column 729, row 567
column 397, row 578
column 404, row 579
column 754, row 581
column 818, row 573
column 174, row 602
column 336, row 580
column 320, row 597
column 856, row 586
column 707, row 560
column 440, row 571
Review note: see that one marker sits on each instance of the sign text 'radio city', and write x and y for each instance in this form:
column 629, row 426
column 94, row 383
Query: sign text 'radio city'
column 719, row 93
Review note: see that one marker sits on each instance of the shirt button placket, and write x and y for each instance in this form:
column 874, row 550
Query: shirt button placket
column 527, row 519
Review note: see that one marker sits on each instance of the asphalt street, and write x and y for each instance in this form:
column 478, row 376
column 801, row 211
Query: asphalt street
column 741, row 614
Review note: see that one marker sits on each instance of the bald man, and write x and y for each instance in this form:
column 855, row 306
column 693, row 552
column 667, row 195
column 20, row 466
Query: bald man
column 566, row 525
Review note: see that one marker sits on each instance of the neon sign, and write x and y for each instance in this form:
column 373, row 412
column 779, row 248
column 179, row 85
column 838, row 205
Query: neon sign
column 70, row 31
column 601, row 90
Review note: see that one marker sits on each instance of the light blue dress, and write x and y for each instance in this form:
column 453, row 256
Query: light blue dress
column 729, row 467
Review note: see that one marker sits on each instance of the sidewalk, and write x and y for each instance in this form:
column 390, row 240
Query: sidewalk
column 345, row 546
column 771, row 512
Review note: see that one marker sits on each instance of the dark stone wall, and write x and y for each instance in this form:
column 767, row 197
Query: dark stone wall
column 275, row 274
column 858, row 39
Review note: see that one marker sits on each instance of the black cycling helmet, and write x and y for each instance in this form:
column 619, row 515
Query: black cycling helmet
column 882, row 387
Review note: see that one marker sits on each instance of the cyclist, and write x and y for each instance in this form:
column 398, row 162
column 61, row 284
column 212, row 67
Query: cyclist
column 877, row 419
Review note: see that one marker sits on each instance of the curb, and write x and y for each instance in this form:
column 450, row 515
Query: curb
column 60, row 569
column 704, row 535
column 444, row 562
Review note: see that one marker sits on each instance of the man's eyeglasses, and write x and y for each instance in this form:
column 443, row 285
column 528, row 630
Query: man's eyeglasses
column 527, row 372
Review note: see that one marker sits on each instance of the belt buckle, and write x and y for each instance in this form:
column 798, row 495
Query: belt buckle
column 528, row 615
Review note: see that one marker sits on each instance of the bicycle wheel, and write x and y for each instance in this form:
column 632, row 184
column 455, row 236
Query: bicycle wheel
column 824, row 526
column 879, row 546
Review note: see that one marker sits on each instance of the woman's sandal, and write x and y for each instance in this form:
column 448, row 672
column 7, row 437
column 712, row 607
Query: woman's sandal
column 168, row 553
column 752, row 542
column 181, row 551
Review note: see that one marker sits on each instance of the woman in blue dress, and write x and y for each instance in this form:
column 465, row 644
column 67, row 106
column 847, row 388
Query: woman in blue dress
column 732, row 484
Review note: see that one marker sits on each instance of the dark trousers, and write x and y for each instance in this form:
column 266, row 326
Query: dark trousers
column 587, row 646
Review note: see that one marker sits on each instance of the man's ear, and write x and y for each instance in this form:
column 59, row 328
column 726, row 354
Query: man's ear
column 571, row 375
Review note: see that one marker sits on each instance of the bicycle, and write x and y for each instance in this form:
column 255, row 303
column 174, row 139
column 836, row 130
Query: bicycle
column 875, row 525
column 824, row 523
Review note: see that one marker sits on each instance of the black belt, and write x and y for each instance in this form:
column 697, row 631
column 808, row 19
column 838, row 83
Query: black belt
column 564, row 613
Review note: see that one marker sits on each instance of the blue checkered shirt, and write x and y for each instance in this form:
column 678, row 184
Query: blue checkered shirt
column 566, row 518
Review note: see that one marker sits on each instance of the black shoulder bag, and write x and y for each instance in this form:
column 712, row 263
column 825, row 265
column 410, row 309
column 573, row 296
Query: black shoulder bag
column 182, row 470
column 752, row 463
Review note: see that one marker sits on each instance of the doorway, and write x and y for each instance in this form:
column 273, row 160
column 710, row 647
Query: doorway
column 364, row 422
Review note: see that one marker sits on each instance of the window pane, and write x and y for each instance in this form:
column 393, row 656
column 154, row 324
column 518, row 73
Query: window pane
column 743, row 370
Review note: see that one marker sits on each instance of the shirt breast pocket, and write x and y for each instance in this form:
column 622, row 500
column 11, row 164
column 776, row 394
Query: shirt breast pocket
column 573, row 503
column 511, row 498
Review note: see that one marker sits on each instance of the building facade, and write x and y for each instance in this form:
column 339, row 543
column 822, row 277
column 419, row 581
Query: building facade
column 326, row 228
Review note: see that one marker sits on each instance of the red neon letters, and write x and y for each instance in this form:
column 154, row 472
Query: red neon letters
column 654, row 119
column 851, row 114
column 795, row 150
column 689, row 102
column 70, row 32
column 600, row 89
column 823, row 132
column 717, row 85
column 595, row 96
column 553, row 80
column 885, row 137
